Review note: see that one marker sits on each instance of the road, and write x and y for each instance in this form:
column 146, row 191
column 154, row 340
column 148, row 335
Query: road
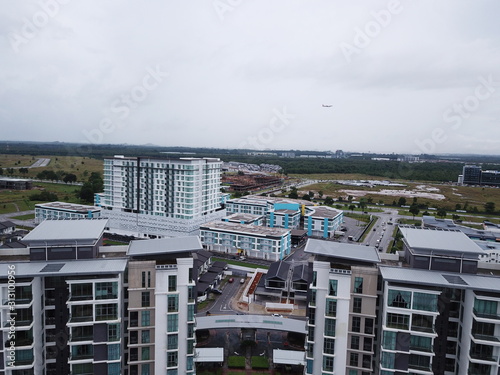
column 11, row 217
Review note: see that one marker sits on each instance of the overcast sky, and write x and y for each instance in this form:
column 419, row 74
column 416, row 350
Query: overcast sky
column 404, row 77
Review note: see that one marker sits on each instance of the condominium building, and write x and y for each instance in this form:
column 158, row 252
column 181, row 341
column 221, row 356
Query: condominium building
column 342, row 308
column 246, row 240
column 158, row 197
column 161, row 306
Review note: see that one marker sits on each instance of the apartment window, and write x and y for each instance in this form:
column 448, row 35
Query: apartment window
column 190, row 330
column 81, row 292
column 354, row 359
column 172, row 283
column 190, row 313
column 398, row 321
column 356, row 306
column 145, row 336
column 107, row 290
column 171, row 359
column 113, row 332
column 329, row 346
column 388, row 360
column 367, row 344
column 369, row 326
column 145, row 299
column 358, row 285
column 113, row 352
column 328, row 363
column 172, row 342
column 108, row 311
column 190, row 363
column 421, row 343
column 134, row 319
column 146, row 279
column 331, row 307
column 145, row 353
column 114, row 369
column 389, row 340
column 367, row 361
column 329, row 327
column 190, row 346
column 422, row 323
column 172, row 323
column 133, row 336
column 172, row 303
column 356, row 324
column 145, row 318
column 355, row 342
column 191, row 294
column 421, row 362
column 145, row 369
column 312, row 301
column 399, row 298
column 484, row 308
column 332, row 289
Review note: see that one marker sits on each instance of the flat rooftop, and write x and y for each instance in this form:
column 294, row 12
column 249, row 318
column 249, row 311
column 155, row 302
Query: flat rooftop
column 63, row 230
column 425, row 239
column 164, row 245
column 342, row 250
column 323, row 212
column 68, row 206
column 66, row 267
column 440, row 278
column 245, row 229
column 242, row 217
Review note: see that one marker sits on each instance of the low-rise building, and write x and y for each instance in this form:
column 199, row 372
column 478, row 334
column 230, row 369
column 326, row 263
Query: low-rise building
column 246, row 240
column 65, row 211
column 322, row 221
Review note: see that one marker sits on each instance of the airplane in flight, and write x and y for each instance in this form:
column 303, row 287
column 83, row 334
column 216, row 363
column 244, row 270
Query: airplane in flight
column 327, row 105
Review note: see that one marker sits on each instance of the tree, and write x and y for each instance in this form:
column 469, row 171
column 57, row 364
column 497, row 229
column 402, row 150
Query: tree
column 93, row 185
column 311, row 194
column 352, row 207
column 414, row 210
column 70, row 177
column 402, row 201
column 293, row 193
column 362, row 204
column 441, row 212
column 370, row 200
column 489, row 207
column 458, row 207
column 23, row 170
column 307, row 197
column 320, row 194
column 328, row 201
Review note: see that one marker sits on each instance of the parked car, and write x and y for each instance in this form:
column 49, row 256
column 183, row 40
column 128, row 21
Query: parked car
column 277, row 315
column 230, row 280
column 242, row 281
column 216, row 291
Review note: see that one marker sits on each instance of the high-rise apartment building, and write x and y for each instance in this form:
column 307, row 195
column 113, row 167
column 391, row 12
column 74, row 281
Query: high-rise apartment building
column 158, row 197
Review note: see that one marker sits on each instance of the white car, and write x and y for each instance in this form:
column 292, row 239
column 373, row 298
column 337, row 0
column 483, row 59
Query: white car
column 277, row 315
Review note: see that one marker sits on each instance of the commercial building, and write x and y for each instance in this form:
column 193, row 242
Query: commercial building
column 15, row 183
column 64, row 211
column 246, row 240
column 155, row 197
column 474, row 175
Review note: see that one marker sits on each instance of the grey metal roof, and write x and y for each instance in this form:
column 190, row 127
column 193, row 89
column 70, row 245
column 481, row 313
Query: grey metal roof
column 301, row 273
column 66, row 267
column 164, row 245
column 440, row 278
column 342, row 250
column 58, row 230
column 473, row 233
column 279, row 270
column 442, row 240
column 68, row 206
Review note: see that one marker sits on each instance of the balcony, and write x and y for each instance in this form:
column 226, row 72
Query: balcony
column 427, row 329
column 18, row 323
column 483, row 315
column 483, row 357
column 485, row 337
column 80, row 319
column 18, row 301
column 80, row 297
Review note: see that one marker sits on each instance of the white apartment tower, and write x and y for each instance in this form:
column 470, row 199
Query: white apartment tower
column 159, row 197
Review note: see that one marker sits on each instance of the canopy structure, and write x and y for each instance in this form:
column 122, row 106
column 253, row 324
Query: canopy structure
column 289, row 357
column 209, row 355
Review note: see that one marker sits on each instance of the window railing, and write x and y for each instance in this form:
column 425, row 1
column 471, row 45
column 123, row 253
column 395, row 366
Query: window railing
column 480, row 314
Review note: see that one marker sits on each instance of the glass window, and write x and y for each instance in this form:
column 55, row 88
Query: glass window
column 399, row 298
column 145, row 369
column 190, row 312
column 332, row 290
column 171, row 359
column 388, row 359
column 145, row 299
column 113, row 352
column 355, row 342
column 327, row 363
column 107, row 290
column 485, row 308
column 354, row 359
column 145, row 353
column 331, row 307
column 398, row 321
column 369, row 326
column 425, row 301
column 114, row 332
column 421, row 343
column 329, row 327
column 356, row 306
column 329, row 346
column 172, row 283
column 114, row 368
column 172, row 323
column 172, row 303
column 389, row 340
column 145, row 318
column 356, row 324
column 108, row 311
column 358, row 285
column 172, row 342
column 145, row 336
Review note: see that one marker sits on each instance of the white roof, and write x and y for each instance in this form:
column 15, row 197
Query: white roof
column 66, row 267
column 342, row 250
column 165, row 245
column 289, row 357
column 209, row 355
column 67, row 230
column 443, row 240
column 440, row 278
column 248, row 229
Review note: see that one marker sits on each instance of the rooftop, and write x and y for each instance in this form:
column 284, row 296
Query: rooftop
column 440, row 240
column 245, row 228
column 342, row 250
column 164, row 245
column 323, row 212
column 65, row 268
column 440, row 278
column 243, row 217
column 68, row 206
column 50, row 230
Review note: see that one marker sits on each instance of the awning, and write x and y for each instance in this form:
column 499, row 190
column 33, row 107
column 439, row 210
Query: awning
column 209, row 355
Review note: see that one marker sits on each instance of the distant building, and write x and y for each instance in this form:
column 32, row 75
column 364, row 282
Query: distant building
column 474, row 175
column 15, row 183
column 63, row 211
